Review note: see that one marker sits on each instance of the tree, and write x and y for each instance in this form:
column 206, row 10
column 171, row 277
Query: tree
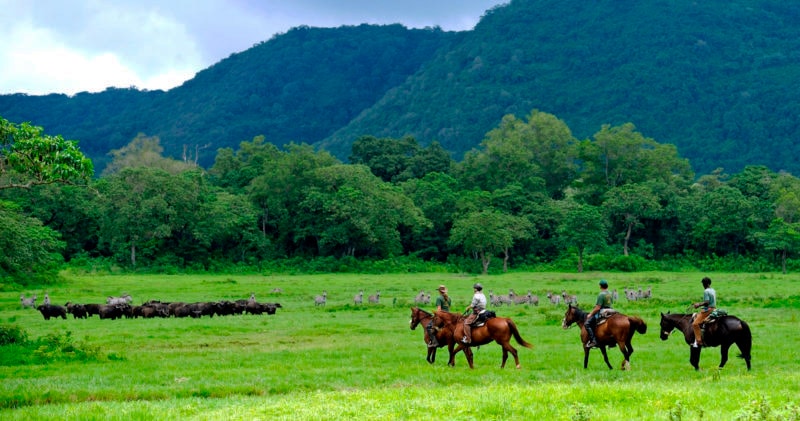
column 629, row 204
column 29, row 157
column 783, row 233
column 487, row 233
column 350, row 211
column 620, row 155
column 144, row 151
column 582, row 227
column 30, row 251
column 143, row 207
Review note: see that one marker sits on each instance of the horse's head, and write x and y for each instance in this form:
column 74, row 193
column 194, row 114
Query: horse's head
column 417, row 315
column 667, row 326
column 570, row 317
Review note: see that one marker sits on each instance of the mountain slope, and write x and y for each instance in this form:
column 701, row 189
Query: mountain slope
column 716, row 78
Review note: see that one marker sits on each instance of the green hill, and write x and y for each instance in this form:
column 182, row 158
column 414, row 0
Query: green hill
column 716, row 78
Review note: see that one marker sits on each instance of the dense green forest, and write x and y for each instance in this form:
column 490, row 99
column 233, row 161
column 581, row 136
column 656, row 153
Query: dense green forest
column 715, row 78
column 532, row 195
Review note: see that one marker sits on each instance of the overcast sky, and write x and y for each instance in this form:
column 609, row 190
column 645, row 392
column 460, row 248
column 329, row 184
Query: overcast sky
column 69, row 46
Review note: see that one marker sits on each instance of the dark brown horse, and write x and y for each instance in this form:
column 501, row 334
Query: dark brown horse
column 497, row 329
column 618, row 330
column 444, row 336
column 723, row 332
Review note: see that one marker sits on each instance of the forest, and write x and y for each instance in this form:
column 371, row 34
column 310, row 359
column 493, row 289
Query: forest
column 531, row 196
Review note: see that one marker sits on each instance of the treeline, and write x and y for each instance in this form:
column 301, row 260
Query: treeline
column 531, row 195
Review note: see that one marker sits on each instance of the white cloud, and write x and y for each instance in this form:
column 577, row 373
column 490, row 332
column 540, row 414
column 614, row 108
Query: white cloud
column 89, row 45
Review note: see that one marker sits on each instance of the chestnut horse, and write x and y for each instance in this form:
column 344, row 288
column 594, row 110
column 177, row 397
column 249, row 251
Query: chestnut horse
column 723, row 332
column 618, row 330
column 444, row 336
column 497, row 329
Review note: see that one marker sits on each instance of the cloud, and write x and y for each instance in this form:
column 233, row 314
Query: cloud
column 89, row 45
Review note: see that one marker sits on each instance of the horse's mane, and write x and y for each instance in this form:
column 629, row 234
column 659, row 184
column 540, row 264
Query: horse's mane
column 424, row 312
column 448, row 316
column 580, row 313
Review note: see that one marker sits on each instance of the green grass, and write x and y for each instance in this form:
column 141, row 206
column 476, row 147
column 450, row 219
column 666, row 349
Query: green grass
column 345, row 362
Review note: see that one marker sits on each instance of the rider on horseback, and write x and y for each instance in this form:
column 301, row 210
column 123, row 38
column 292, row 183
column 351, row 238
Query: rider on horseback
column 709, row 303
column 604, row 299
column 443, row 303
column 477, row 305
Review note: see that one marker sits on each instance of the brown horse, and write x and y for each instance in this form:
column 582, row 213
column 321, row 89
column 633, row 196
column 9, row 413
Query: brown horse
column 617, row 330
column 497, row 329
column 444, row 336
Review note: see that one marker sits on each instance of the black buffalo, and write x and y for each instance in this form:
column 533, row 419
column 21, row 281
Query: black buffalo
column 50, row 310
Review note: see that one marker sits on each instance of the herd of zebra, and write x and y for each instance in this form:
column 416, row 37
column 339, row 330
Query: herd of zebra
column 120, row 307
column 530, row 298
column 358, row 299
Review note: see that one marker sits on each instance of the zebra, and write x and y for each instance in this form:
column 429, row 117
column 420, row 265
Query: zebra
column 374, row 299
column 320, row 300
column 28, row 302
column 358, row 299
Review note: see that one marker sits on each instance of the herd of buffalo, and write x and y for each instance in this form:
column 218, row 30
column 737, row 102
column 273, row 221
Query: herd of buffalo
column 119, row 307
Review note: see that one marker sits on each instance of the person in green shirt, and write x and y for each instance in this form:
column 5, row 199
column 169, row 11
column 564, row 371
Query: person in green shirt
column 604, row 300
column 709, row 303
column 443, row 303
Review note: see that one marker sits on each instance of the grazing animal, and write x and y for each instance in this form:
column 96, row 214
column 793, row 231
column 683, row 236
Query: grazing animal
column 115, row 311
column 420, row 298
column 277, row 291
column 618, row 330
column 494, row 300
column 375, row 299
column 358, row 299
column 444, row 336
column 78, row 311
column 28, row 302
column 569, row 298
column 261, row 308
column 496, row 329
column 722, row 332
column 554, row 299
column 124, row 299
column 92, row 309
column 320, row 300
column 46, row 300
column 49, row 310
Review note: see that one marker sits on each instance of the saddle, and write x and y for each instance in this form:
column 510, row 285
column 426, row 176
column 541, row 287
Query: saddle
column 713, row 317
column 483, row 316
column 604, row 314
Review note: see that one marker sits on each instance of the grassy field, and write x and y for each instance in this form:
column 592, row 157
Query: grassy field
column 340, row 361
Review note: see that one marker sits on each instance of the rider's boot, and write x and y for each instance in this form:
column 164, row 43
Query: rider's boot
column 592, row 342
column 432, row 342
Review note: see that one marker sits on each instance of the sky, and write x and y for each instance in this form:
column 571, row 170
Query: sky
column 70, row 46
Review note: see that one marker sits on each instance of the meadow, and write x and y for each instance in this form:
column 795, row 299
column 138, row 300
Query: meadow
column 342, row 361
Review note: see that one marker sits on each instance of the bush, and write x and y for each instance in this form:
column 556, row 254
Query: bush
column 12, row 334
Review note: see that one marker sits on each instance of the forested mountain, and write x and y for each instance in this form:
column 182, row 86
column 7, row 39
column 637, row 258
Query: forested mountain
column 716, row 78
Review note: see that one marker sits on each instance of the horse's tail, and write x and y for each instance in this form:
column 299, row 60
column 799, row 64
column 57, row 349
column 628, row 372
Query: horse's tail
column 515, row 332
column 746, row 343
column 638, row 324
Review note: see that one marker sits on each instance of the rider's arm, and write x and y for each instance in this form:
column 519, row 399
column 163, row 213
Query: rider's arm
column 700, row 304
column 594, row 311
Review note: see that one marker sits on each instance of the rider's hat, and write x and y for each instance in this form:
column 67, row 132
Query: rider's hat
column 442, row 288
column 478, row 286
column 603, row 283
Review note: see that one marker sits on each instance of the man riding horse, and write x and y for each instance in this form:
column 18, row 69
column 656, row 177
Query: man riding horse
column 604, row 299
column 478, row 305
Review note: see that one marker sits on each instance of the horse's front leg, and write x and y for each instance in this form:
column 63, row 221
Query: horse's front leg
column 505, row 358
column 468, row 354
column 723, row 354
column 585, row 357
column 431, row 358
column 605, row 356
column 452, row 362
column 694, row 357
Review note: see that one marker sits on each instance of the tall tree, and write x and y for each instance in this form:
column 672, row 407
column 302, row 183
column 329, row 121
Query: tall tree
column 30, row 157
column 628, row 205
column 488, row 233
column 583, row 226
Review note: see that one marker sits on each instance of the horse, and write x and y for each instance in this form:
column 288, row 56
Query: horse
column 496, row 329
column 722, row 332
column 618, row 330
column 443, row 336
